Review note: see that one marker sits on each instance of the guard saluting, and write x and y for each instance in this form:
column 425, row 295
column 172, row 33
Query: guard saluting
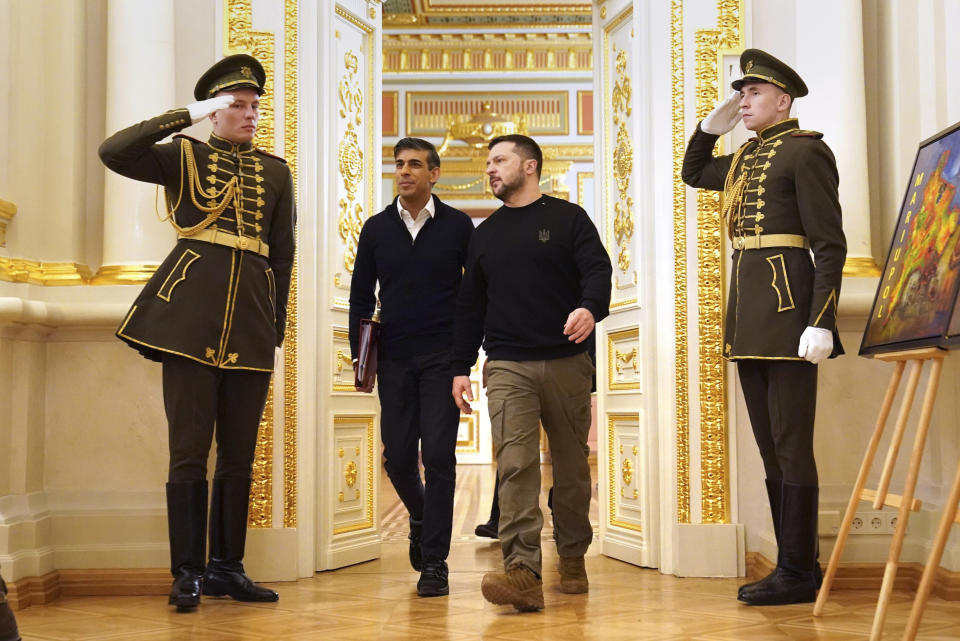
column 780, row 202
column 213, row 312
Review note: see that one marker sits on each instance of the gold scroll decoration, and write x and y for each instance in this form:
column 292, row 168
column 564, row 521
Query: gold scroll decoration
column 680, row 266
column 622, row 163
column 350, row 158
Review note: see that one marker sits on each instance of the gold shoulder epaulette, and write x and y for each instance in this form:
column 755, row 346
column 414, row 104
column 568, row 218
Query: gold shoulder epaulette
column 199, row 142
column 261, row 151
column 806, row 133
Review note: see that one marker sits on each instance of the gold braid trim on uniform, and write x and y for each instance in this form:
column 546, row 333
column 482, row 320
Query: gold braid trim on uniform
column 733, row 190
column 227, row 194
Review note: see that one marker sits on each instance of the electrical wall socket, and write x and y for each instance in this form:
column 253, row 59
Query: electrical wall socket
column 874, row 522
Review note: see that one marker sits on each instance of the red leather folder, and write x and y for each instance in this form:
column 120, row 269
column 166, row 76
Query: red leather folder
column 365, row 371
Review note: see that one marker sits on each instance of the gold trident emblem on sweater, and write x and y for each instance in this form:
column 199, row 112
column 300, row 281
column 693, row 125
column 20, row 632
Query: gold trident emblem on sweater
column 544, row 235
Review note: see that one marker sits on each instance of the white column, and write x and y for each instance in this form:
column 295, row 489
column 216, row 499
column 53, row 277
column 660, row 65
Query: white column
column 830, row 61
column 140, row 85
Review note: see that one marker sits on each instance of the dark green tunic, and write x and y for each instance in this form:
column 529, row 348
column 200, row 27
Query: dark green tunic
column 791, row 188
column 222, row 306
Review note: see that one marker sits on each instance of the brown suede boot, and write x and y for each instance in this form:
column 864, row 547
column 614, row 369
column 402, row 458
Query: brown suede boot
column 518, row 586
column 573, row 575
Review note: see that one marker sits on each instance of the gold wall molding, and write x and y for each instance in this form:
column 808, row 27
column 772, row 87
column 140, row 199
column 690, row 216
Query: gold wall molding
column 486, row 52
column 24, row 270
column 365, row 423
column 7, row 211
column 711, row 45
column 563, row 151
column 623, row 348
column 355, row 153
column 241, row 38
column 861, row 267
column 430, row 113
column 470, row 443
column 616, row 106
column 291, row 132
column 622, row 163
column 123, row 274
column 681, row 376
column 627, row 463
column 582, row 178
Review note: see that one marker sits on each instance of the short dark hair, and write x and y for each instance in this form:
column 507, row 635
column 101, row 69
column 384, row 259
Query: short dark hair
column 433, row 158
column 525, row 146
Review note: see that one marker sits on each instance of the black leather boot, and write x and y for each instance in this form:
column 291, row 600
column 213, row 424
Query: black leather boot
column 416, row 554
column 187, row 526
column 8, row 624
column 794, row 580
column 228, row 538
column 774, row 494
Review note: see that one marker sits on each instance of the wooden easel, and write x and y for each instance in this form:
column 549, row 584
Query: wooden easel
column 881, row 497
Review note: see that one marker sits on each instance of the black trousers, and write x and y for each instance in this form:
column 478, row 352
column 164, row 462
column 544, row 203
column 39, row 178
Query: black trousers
column 201, row 400
column 781, row 399
column 418, row 412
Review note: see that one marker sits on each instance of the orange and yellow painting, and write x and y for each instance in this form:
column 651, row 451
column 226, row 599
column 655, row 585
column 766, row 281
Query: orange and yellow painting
column 918, row 291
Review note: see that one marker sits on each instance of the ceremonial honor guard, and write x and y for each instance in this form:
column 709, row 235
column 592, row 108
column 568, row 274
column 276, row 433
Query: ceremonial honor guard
column 780, row 205
column 213, row 313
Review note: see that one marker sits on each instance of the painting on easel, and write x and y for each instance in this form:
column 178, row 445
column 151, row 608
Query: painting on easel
column 916, row 304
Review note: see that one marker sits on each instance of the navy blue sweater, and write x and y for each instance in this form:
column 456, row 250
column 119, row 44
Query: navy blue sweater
column 419, row 280
column 527, row 269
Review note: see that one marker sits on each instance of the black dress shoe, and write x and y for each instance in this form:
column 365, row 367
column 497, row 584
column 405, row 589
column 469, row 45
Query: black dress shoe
column 488, row 529
column 186, row 589
column 227, row 578
column 433, row 579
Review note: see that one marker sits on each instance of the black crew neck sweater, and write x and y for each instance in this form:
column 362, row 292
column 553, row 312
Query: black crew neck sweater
column 527, row 269
column 419, row 280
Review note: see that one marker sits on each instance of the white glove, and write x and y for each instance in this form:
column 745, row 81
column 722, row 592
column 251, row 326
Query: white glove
column 200, row 110
column 724, row 116
column 816, row 344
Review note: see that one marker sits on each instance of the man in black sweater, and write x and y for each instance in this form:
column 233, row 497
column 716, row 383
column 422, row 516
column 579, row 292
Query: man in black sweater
column 537, row 280
column 416, row 249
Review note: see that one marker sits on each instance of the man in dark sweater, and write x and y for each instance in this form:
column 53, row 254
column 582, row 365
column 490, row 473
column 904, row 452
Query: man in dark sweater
column 416, row 249
column 537, row 280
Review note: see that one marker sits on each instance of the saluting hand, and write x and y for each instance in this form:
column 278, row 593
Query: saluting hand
column 461, row 386
column 724, row 116
column 200, row 110
column 579, row 325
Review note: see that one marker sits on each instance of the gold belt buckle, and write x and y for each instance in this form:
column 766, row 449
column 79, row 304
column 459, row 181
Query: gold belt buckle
column 738, row 242
column 243, row 242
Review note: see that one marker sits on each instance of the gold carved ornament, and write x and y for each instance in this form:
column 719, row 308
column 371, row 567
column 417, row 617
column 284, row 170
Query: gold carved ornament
column 350, row 160
column 714, row 473
column 350, row 474
column 680, row 264
column 627, row 467
column 622, row 162
column 290, row 136
column 622, row 359
column 240, row 37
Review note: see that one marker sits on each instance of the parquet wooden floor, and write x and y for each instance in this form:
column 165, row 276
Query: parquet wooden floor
column 377, row 600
